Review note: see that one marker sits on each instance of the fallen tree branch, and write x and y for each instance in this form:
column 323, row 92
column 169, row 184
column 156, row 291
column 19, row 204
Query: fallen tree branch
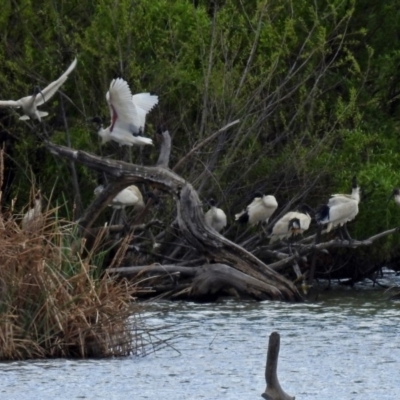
column 335, row 243
column 154, row 268
column 208, row 280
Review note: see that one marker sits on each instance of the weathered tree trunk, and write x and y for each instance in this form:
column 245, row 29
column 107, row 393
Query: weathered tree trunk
column 205, row 281
column 273, row 390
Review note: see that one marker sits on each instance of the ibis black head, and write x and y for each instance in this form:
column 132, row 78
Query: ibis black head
column 257, row 195
column 212, row 202
column 354, row 183
column 96, row 120
column 161, row 128
column 396, row 192
column 294, row 224
column 37, row 90
column 38, row 195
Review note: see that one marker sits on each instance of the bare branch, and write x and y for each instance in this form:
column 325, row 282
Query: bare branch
column 203, row 143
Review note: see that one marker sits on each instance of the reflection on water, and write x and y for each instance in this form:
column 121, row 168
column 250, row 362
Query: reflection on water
column 343, row 347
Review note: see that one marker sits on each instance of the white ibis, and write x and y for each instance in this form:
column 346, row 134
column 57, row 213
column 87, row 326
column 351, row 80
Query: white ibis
column 215, row 217
column 130, row 196
column 340, row 209
column 29, row 104
column 30, row 221
column 292, row 223
column 259, row 210
column 128, row 115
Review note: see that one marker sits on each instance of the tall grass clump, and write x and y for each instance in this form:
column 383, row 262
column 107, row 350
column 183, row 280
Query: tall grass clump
column 54, row 301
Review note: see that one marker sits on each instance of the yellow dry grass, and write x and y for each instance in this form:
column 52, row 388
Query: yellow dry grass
column 54, row 303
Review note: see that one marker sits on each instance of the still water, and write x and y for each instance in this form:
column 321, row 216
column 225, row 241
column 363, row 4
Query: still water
column 345, row 346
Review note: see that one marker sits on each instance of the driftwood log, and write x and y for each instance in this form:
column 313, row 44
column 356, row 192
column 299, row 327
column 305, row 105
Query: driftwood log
column 203, row 281
column 273, row 390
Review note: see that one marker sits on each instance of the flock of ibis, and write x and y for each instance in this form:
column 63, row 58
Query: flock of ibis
column 128, row 117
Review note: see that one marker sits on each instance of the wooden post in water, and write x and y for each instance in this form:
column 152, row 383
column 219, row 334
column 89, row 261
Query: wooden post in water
column 273, row 390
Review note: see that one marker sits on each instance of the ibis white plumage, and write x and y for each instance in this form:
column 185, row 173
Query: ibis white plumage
column 143, row 104
column 128, row 115
column 215, row 217
column 29, row 104
column 259, row 210
column 340, row 209
column 291, row 224
column 130, row 196
column 31, row 220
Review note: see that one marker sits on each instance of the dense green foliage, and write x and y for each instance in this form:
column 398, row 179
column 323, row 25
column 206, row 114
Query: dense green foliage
column 315, row 86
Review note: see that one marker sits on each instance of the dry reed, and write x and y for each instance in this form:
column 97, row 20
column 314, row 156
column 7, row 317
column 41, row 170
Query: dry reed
column 54, row 303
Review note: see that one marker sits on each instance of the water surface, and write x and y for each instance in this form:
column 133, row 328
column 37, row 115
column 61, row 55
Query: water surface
column 343, row 347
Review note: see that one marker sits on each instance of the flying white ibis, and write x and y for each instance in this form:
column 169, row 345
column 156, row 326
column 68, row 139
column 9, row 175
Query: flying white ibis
column 259, row 210
column 29, row 104
column 340, row 209
column 128, row 115
column 292, row 223
column 31, row 220
column 130, row 196
column 215, row 217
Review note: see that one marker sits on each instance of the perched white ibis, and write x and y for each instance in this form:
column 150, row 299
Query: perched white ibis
column 340, row 209
column 292, row 223
column 128, row 115
column 31, row 220
column 215, row 217
column 259, row 210
column 130, row 196
column 29, row 104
